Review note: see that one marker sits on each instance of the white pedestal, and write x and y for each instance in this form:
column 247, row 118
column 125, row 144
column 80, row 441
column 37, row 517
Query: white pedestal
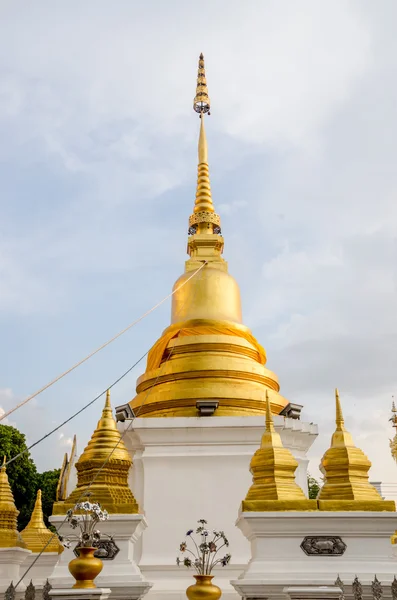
column 121, row 575
column 187, row 469
column 278, row 560
column 41, row 570
column 89, row 594
column 313, row 593
column 11, row 570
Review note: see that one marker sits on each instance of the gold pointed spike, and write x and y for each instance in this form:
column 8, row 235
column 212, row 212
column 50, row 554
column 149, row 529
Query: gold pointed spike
column 345, row 468
column 273, row 472
column 204, row 219
column 36, row 535
column 269, row 418
column 107, row 458
column 9, row 535
column 203, row 202
column 339, row 415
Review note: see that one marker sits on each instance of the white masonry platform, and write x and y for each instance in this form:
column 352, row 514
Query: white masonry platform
column 11, row 570
column 38, row 572
column 121, row 575
column 80, row 594
column 187, row 469
column 278, row 560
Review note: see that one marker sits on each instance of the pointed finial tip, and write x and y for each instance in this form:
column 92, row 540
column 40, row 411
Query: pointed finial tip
column 201, row 56
column 39, row 494
column 269, row 418
column 339, row 415
column 107, row 402
column 4, row 460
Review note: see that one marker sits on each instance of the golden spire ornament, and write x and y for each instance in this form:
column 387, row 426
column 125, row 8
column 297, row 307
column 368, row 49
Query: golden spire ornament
column 345, row 467
column 273, row 469
column 106, row 459
column 36, row 535
column 204, row 219
column 9, row 534
column 206, row 359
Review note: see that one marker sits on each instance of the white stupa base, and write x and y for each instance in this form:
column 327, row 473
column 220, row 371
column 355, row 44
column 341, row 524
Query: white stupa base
column 313, row 592
column 11, row 569
column 278, row 560
column 71, row 594
column 41, row 570
column 188, row 468
column 121, row 574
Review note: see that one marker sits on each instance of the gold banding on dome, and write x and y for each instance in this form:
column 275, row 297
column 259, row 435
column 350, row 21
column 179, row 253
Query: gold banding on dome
column 273, row 472
column 345, row 468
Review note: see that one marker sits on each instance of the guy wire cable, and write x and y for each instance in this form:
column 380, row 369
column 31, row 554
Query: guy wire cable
column 85, row 492
column 110, row 454
column 115, row 337
column 89, row 403
column 78, row 412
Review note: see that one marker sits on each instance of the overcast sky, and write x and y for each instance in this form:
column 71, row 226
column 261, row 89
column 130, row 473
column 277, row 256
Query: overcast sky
column 98, row 144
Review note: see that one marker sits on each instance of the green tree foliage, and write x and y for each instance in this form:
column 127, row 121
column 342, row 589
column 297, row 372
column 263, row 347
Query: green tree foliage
column 47, row 482
column 22, row 473
column 24, row 478
column 314, row 487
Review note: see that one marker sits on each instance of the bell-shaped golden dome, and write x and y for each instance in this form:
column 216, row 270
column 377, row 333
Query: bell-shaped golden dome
column 206, row 354
column 212, row 295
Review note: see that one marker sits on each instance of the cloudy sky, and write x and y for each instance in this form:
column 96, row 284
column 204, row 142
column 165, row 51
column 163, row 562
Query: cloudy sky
column 97, row 174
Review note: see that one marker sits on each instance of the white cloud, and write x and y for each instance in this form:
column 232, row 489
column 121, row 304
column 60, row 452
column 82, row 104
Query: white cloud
column 95, row 113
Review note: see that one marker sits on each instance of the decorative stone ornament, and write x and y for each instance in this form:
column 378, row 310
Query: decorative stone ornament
column 323, row 545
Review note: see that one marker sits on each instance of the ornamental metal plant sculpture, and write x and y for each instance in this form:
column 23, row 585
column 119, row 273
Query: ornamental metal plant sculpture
column 85, row 516
column 200, row 551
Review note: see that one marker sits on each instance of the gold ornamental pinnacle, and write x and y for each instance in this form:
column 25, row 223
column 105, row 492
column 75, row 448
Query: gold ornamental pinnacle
column 201, row 102
column 345, row 468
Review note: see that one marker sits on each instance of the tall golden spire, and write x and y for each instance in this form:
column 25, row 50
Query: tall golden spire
column 204, row 219
column 36, row 535
column 206, row 355
column 9, row 535
column 345, row 467
column 107, row 459
column 273, row 470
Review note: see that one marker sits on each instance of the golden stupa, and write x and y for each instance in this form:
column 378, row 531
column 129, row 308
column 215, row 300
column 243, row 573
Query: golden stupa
column 206, row 354
column 345, row 468
column 9, row 534
column 102, row 470
column 273, row 471
column 37, row 537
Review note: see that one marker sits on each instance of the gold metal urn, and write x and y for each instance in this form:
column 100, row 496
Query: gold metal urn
column 85, row 568
column 203, row 589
